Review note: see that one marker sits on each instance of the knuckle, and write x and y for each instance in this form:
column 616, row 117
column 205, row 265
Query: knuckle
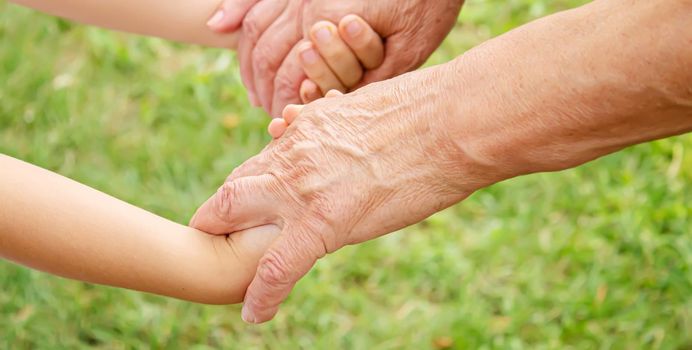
column 222, row 204
column 261, row 62
column 251, row 167
column 241, row 171
column 251, row 27
column 274, row 270
column 286, row 88
column 236, row 173
column 318, row 234
column 285, row 81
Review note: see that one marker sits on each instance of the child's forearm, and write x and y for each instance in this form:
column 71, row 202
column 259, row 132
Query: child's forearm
column 54, row 224
column 179, row 20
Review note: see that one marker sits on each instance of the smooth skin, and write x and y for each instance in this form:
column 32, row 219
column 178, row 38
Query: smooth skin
column 178, row 20
column 56, row 225
column 551, row 95
column 189, row 21
column 278, row 126
column 330, row 57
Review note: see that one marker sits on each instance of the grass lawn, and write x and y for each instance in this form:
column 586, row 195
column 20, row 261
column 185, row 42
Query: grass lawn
column 598, row 257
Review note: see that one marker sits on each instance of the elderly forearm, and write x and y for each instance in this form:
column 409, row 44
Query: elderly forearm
column 56, row 225
column 180, row 20
column 572, row 87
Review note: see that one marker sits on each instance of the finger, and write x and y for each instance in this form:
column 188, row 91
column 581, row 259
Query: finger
column 363, row 41
column 269, row 53
column 287, row 82
column 254, row 166
column 241, row 204
column 317, row 69
column 342, row 61
column 257, row 21
column 288, row 259
column 333, row 93
column 277, row 127
column 291, row 112
column 229, row 16
column 398, row 60
column 309, row 91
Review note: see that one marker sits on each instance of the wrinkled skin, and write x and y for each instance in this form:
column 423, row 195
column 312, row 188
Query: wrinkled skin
column 270, row 69
column 355, row 167
column 368, row 154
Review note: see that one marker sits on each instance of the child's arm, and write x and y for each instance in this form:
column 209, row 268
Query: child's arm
column 335, row 64
column 57, row 225
column 179, row 20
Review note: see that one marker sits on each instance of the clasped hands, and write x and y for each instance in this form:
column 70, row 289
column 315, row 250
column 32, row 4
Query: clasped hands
column 274, row 34
column 320, row 183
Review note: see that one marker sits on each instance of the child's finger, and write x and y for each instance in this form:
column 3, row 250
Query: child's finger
column 363, row 40
column 333, row 93
column 309, row 91
column 229, row 16
column 291, row 112
column 342, row 61
column 317, row 69
column 277, row 127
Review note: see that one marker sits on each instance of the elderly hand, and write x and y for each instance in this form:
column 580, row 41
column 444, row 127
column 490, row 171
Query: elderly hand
column 268, row 53
column 355, row 167
column 350, row 168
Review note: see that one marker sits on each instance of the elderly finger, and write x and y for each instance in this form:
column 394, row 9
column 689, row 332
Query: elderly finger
column 255, row 166
column 287, row 82
column 269, row 53
column 317, row 69
column 342, row 61
column 309, row 91
column 363, row 41
column 257, row 21
column 289, row 258
column 229, row 16
column 237, row 205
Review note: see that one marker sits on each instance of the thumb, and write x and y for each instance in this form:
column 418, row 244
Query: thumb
column 399, row 58
column 239, row 204
column 289, row 258
column 229, row 16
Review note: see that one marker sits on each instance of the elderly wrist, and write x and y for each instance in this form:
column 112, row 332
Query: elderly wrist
column 463, row 162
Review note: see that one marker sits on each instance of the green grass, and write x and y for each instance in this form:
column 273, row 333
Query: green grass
column 593, row 258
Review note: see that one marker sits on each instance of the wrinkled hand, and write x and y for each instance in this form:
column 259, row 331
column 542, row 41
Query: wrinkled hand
column 349, row 169
column 268, row 55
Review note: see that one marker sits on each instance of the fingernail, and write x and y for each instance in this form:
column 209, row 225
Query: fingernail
column 309, row 56
column 354, row 28
column 323, row 35
column 247, row 315
column 216, row 19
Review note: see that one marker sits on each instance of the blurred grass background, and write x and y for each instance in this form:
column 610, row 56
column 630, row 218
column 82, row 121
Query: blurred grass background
column 593, row 258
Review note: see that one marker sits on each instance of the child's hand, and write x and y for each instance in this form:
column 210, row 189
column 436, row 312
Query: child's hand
column 335, row 58
column 278, row 126
column 333, row 63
